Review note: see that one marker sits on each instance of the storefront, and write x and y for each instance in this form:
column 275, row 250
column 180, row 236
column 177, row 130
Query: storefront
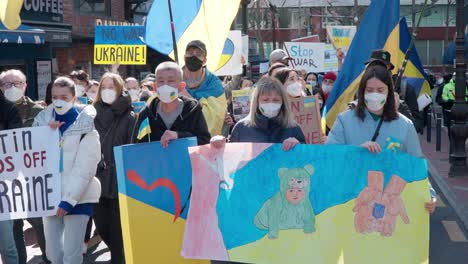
column 30, row 48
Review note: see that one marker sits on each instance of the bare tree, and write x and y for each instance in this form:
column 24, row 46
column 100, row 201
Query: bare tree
column 255, row 19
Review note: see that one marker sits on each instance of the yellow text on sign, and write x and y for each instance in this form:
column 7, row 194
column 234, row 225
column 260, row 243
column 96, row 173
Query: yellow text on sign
column 121, row 54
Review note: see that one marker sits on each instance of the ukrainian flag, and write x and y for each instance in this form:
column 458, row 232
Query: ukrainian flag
column 10, row 13
column 144, row 129
column 205, row 20
column 380, row 28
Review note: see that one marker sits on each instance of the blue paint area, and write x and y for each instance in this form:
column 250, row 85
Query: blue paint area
column 340, row 175
column 152, row 162
column 119, row 35
column 378, row 211
column 158, row 26
column 379, row 21
column 228, row 47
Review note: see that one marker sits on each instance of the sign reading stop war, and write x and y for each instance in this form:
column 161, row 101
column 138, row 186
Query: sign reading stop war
column 119, row 45
column 29, row 173
column 306, row 112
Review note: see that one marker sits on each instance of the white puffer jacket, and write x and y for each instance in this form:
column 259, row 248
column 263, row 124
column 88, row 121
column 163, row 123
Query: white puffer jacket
column 80, row 156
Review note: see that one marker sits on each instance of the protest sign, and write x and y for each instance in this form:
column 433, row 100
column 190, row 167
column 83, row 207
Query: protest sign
column 230, row 60
column 245, row 48
column 306, row 112
column 119, row 45
column 256, row 203
column 29, row 173
column 341, row 36
column 263, row 67
column 154, row 189
column 331, row 61
column 306, row 56
column 241, row 103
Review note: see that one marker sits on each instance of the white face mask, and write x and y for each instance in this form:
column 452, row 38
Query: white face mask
column 134, row 94
column 327, row 88
column 440, row 80
column 313, row 83
column 167, row 93
column 91, row 96
column 80, row 90
column 294, row 89
column 270, row 110
column 375, row 101
column 108, row 96
column 61, row 107
column 13, row 94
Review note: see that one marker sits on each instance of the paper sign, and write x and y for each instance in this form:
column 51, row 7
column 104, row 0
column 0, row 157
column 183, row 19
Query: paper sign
column 256, row 203
column 119, row 45
column 230, row 60
column 306, row 112
column 423, row 101
column 331, row 61
column 241, row 103
column 341, row 36
column 264, row 66
column 29, row 173
column 44, row 77
column 306, row 56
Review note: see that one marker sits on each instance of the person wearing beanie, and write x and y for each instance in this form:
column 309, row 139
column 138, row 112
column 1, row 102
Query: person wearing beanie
column 327, row 84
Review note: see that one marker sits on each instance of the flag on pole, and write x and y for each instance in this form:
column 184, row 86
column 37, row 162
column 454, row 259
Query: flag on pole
column 144, row 129
column 376, row 29
column 10, row 13
column 206, row 20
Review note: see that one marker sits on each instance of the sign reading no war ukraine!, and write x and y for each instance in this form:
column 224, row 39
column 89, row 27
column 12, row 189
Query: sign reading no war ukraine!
column 29, row 173
column 119, row 44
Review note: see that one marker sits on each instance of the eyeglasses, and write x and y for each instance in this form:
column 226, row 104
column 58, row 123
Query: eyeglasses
column 9, row 84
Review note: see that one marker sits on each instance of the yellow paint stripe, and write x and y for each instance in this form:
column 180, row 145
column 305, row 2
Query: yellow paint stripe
column 454, row 231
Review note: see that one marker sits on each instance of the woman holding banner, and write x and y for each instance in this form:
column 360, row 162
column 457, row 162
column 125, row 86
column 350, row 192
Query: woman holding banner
column 291, row 82
column 80, row 152
column 269, row 120
column 375, row 123
column 114, row 122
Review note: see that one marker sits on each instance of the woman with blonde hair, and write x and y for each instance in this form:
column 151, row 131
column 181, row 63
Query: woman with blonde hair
column 269, row 121
column 79, row 156
column 114, row 122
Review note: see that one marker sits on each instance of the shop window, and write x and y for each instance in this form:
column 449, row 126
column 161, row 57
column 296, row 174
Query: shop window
column 93, row 7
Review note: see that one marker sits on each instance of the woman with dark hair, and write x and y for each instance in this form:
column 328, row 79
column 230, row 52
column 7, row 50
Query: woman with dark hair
column 291, row 82
column 376, row 119
column 81, row 80
column 275, row 68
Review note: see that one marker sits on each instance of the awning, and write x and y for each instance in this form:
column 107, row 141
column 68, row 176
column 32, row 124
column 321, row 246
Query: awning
column 22, row 35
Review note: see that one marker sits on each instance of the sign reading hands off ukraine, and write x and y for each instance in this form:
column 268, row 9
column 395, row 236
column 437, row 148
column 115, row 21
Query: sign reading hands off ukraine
column 313, row 204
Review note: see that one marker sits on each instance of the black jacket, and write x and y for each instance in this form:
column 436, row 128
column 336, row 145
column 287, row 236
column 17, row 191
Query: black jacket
column 266, row 131
column 115, row 126
column 190, row 122
column 9, row 115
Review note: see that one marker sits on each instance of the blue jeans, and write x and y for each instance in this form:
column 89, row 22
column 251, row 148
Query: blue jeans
column 7, row 243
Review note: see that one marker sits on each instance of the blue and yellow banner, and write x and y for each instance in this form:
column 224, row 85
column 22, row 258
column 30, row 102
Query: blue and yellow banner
column 205, row 20
column 10, row 13
column 119, row 45
column 154, row 191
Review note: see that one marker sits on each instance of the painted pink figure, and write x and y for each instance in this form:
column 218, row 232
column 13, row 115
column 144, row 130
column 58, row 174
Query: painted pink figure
column 394, row 205
column 210, row 171
column 364, row 221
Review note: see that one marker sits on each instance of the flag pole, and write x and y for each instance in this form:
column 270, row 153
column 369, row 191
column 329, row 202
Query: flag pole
column 410, row 47
column 174, row 42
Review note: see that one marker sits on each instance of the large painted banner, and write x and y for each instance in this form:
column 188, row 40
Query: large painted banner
column 256, row 203
column 154, row 190
column 306, row 55
column 119, row 45
column 29, row 173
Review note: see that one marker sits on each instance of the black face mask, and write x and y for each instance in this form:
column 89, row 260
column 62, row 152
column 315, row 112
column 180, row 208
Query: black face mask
column 193, row 63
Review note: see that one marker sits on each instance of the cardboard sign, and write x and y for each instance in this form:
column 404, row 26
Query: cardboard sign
column 119, row 45
column 230, row 60
column 241, row 103
column 256, row 203
column 306, row 111
column 341, row 36
column 306, row 56
column 29, row 173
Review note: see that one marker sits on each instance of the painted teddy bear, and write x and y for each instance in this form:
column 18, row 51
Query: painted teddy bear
column 290, row 208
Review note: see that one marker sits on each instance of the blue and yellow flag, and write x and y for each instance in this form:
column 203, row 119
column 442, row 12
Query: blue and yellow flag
column 144, row 129
column 205, row 20
column 10, row 13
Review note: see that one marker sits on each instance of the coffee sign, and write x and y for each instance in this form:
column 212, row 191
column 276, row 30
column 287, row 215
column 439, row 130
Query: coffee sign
column 43, row 10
